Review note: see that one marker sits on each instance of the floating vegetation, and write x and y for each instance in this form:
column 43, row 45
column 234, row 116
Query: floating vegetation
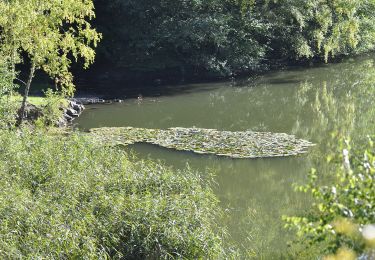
column 245, row 144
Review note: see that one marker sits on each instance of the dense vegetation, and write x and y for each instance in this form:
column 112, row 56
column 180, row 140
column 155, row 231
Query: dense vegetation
column 46, row 35
column 187, row 39
column 64, row 196
column 68, row 198
column 341, row 222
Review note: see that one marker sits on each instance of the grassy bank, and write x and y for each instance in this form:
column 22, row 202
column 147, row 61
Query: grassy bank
column 68, row 198
column 38, row 101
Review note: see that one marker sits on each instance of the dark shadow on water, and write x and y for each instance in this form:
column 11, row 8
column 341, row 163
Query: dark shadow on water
column 109, row 89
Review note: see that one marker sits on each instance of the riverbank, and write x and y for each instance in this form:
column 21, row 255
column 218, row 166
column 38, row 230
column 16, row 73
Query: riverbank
column 41, row 107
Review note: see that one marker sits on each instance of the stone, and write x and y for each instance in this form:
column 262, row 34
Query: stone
column 68, row 118
column 72, row 112
column 32, row 112
column 88, row 100
column 62, row 122
column 77, row 107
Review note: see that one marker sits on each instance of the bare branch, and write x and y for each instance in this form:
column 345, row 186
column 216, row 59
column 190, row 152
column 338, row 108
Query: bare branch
column 23, row 82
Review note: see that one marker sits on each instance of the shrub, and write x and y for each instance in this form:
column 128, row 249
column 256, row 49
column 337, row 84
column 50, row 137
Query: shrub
column 7, row 104
column 67, row 198
column 343, row 214
column 52, row 108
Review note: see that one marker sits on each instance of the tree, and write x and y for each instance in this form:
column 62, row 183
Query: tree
column 343, row 209
column 7, row 88
column 311, row 28
column 50, row 34
column 170, row 38
column 179, row 37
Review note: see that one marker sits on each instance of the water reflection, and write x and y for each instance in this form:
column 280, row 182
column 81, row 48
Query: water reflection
column 317, row 104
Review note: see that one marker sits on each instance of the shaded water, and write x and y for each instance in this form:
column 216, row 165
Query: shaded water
column 311, row 103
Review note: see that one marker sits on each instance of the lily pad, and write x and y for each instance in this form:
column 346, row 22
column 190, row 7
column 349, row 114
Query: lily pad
column 240, row 144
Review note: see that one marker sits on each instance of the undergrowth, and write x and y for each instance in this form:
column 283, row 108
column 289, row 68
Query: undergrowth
column 67, row 198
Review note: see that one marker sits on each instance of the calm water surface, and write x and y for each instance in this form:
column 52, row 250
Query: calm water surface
column 311, row 103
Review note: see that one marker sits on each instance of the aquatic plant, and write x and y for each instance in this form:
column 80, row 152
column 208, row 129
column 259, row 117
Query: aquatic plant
column 245, row 144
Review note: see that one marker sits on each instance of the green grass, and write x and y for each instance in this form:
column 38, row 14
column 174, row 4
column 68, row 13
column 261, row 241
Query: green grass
column 35, row 100
column 67, row 198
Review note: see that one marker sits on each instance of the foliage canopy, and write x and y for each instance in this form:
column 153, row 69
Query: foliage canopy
column 50, row 33
column 342, row 217
column 231, row 36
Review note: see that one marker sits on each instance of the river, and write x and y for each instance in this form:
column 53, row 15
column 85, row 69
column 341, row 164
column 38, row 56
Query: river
column 315, row 103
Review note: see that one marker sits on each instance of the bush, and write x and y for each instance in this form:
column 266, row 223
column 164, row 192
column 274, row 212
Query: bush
column 52, row 108
column 342, row 219
column 7, row 104
column 67, row 198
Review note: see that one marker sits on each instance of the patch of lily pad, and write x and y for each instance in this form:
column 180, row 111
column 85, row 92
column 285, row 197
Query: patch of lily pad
column 241, row 144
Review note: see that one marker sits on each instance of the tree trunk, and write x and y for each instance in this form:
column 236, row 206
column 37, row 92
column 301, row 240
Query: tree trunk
column 27, row 89
column 13, row 65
